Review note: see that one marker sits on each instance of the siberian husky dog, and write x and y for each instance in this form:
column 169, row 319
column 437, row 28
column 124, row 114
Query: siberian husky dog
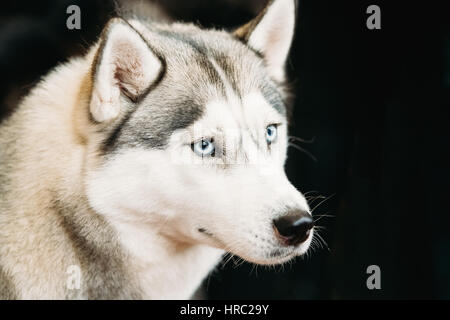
column 129, row 172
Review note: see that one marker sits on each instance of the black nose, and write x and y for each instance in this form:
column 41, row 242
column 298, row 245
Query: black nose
column 294, row 227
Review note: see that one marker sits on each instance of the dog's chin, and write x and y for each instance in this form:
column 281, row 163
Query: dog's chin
column 275, row 260
column 277, row 255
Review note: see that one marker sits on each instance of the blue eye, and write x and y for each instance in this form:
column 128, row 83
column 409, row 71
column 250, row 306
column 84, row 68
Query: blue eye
column 204, row 148
column 271, row 133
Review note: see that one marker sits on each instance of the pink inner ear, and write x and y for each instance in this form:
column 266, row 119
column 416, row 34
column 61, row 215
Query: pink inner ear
column 129, row 72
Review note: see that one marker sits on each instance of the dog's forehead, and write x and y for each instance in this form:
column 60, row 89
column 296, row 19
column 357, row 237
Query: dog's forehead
column 252, row 111
column 209, row 60
column 215, row 68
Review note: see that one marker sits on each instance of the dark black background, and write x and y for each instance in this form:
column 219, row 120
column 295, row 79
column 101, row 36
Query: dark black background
column 374, row 100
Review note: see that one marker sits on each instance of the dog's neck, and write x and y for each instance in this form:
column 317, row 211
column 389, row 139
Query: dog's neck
column 165, row 267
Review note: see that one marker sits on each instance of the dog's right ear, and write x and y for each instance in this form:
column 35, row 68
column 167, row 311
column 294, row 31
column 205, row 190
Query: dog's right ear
column 124, row 66
column 271, row 34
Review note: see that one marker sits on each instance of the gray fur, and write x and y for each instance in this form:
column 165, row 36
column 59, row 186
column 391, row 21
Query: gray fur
column 7, row 290
column 103, row 262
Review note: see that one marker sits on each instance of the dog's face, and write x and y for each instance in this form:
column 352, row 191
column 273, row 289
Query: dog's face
column 193, row 135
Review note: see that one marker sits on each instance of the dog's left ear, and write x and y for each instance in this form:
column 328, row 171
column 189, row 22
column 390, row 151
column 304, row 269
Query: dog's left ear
column 271, row 34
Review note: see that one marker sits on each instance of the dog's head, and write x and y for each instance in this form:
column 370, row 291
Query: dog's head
column 190, row 134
